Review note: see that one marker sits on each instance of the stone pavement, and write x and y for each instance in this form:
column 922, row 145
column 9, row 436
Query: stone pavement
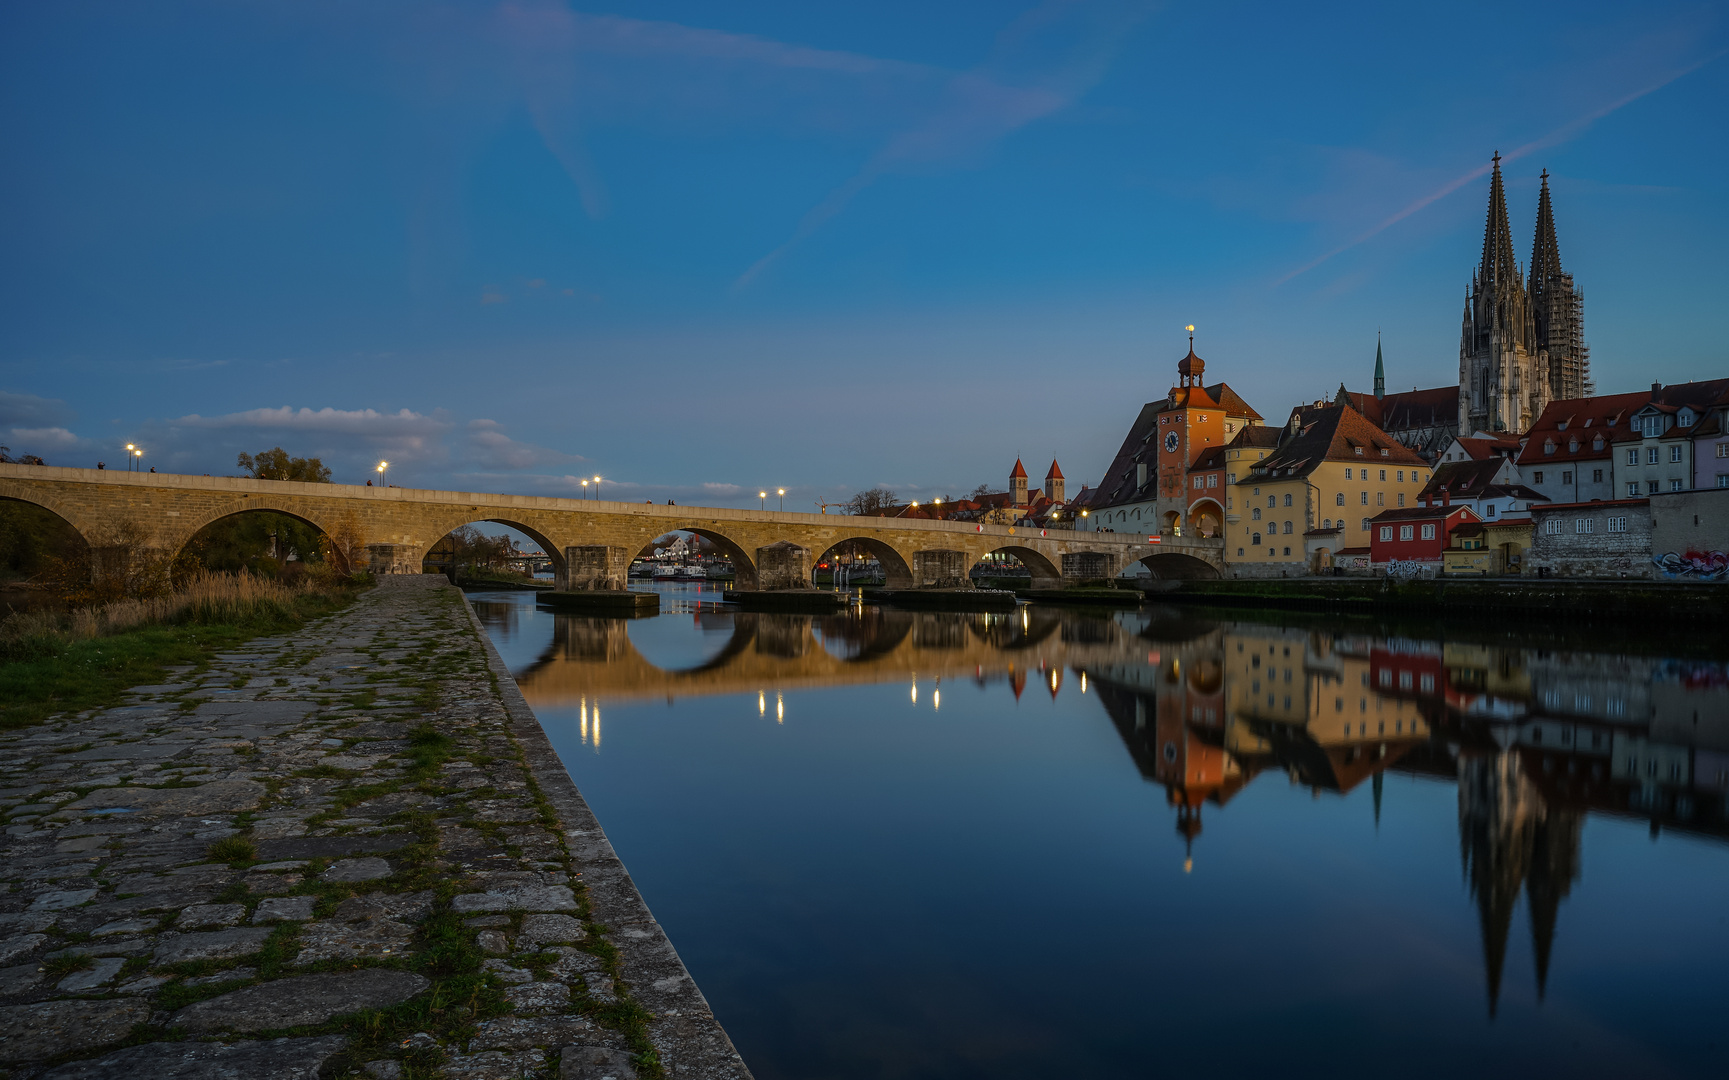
column 347, row 851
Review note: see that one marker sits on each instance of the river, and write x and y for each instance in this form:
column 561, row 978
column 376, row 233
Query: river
column 1086, row 844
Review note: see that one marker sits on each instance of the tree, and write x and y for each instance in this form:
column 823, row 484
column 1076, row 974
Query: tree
column 979, row 492
column 275, row 464
column 874, row 501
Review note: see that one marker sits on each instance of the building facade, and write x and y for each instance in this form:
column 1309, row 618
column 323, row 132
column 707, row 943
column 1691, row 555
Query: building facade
column 1570, row 453
column 1610, row 539
column 1663, row 457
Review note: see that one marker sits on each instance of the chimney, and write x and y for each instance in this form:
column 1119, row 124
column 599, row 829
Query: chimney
column 1446, row 497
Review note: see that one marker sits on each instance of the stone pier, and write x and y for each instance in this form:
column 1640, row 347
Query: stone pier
column 226, row 874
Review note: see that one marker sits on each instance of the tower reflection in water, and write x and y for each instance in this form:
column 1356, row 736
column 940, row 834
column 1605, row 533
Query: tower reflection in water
column 1536, row 740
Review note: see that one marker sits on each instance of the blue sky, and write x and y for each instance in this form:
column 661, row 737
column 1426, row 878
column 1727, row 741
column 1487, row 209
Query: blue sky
column 702, row 249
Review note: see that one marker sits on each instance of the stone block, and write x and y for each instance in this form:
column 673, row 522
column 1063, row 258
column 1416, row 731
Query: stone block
column 215, row 945
column 284, row 909
column 369, row 869
column 522, row 898
column 942, row 569
column 551, row 929
column 207, row 916
column 595, row 567
column 273, row 1059
column 785, row 565
column 541, row 995
column 595, row 1063
column 301, row 999
column 51, row 1028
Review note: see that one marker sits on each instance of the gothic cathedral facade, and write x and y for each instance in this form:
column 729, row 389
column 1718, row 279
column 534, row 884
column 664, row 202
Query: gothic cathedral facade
column 1522, row 342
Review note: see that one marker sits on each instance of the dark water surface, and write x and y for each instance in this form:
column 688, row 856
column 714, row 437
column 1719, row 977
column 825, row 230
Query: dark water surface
column 1066, row 844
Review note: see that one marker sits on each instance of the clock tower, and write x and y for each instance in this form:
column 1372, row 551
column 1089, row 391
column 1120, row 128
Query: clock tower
column 1191, row 424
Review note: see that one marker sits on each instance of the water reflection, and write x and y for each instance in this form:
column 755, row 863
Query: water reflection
column 1536, row 741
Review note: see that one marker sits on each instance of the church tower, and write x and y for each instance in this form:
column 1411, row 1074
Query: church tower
column 1018, row 485
column 1503, row 371
column 1559, row 310
column 1380, row 381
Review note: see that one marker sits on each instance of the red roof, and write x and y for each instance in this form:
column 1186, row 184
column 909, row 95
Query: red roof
column 1568, row 430
column 1019, row 470
column 1055, row 473
column 1334, row 433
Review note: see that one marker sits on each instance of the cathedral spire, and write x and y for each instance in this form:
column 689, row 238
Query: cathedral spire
column 1498, row 265
column 1545, row 252
column 1380, row 370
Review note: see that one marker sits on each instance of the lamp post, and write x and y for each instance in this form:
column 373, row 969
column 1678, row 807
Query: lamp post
column 137, row 463
column 597, row 489
column 762, row 500
column 585, row 489
column 782, row 493
column 129, row 449
column 383, row 465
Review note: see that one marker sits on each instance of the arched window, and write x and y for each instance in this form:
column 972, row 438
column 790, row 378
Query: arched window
column 1255, row 514
column 1287, row 500
column 1326, row 523
column 1287, row 528
column 1255, row 539
column 1339, row 499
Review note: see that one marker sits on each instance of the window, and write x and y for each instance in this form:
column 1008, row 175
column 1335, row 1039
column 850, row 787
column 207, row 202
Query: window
column 1633, row 489
column 1597, row 443
column 1386, row 532
column 1339, row 499
column 1616, row 525
column 1213, row 480
column 1548, row 446
column 1402, row 476
column 1404, row 680
column 1426, row 683
column 1348, row 471
column 1287, row 552
column 1383, row 476
column 1380, row 498
column 1255, row 539
column 1489, row 510
column 1228, row 502
column 1596, row 476
column 1404, row 532
column 1723, row 449
column 1287, row 528
column 1326, row 523
column 1359, row 451
column 1365, row 498
column 1386, row 678
column 1272, row 500
column 1572, row 446
column 1567, row 476
column 1552, row 527
column 1674, row 485
column 1230, row 478
column 1239, row 551
column 1723, row 480
column 1651, row 455
column 1401, row 498
column 1632, row 457
column 1366, row 520
column 1650, row 487
column 1582, row 525
column 1429, row 531
column 1675, row 453
column 1537, row 477
column 1383, row 451
column 1255, row 514
column 1200, row 481
column 1287, row 500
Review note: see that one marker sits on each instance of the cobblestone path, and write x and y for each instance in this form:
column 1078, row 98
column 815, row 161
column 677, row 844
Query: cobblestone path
column 345, row 851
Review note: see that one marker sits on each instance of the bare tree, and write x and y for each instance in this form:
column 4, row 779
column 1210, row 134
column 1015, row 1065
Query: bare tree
column 874, row 501
column 979, row 492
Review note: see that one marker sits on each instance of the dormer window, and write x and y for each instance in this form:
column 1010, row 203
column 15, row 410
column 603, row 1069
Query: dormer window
column 1359, row 451
column 1548, row 446
column 1685, row 418
column 1597, row 443
column 1383, row 451
column 1572, row 446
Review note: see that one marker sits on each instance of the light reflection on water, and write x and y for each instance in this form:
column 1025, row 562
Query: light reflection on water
column 1055, row 844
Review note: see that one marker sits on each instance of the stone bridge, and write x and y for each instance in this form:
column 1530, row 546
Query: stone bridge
column 595, row 659
column 591, row 542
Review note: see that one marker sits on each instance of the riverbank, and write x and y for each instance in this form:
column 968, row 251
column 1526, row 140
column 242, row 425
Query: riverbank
column 347, row 847
column 1616, row 602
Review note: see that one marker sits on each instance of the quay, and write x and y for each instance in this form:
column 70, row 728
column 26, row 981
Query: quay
column 347, row 850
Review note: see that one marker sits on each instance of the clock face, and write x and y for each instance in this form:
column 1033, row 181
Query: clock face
column 1171, row 441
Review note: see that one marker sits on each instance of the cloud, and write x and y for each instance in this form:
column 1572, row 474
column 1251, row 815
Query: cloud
column 712, row 488
column 490, row 447
column 366, row 422
column 492, row 296
column 42, row 440
column 28, row 409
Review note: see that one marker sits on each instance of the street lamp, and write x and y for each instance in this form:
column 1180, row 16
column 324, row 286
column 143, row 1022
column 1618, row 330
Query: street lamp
column 597, row 489
column 782, row 493
column 136, row 455
column 383, row 465
column 585, row 489
column 129, row 449
column 762, row 500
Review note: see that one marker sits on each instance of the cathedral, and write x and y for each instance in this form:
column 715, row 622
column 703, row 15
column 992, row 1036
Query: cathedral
column 1522, row 344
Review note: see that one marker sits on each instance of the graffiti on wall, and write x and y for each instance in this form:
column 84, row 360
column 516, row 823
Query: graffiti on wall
column 1702, row 565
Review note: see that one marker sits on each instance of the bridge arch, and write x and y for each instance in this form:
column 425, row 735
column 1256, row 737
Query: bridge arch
column 743, row 562
column 1206, row 518
column 554, row 551
column 1046, row 574
column 31, row 554
column 897, row 572
column 174, row 543
column 1177, row 566
column 187, row 545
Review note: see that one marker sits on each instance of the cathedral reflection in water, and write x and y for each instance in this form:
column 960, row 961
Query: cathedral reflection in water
column 1535, row 739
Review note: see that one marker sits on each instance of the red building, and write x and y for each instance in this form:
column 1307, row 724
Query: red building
column 1415, row 533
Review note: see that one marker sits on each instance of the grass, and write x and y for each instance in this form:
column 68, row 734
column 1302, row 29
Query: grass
column 44, row 673
column 236, row 851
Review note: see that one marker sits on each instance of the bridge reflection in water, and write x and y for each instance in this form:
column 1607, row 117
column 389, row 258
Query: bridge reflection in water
column 1535, row 740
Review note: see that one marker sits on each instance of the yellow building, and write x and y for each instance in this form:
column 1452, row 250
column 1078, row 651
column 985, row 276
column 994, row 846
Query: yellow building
column 1331, row 472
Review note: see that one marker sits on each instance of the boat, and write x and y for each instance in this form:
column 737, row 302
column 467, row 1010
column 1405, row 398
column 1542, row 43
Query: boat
column 664, row 572
column 692, row 573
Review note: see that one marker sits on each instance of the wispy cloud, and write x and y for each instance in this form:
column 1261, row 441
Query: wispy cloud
column 981, row 107
column 490, row 447
column 28, row 409
column 1566, row 132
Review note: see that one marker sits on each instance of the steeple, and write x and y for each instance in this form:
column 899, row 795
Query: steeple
column 1498, row 265
column 1557, row 309
column 1380, row 371
column 1545, row 252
